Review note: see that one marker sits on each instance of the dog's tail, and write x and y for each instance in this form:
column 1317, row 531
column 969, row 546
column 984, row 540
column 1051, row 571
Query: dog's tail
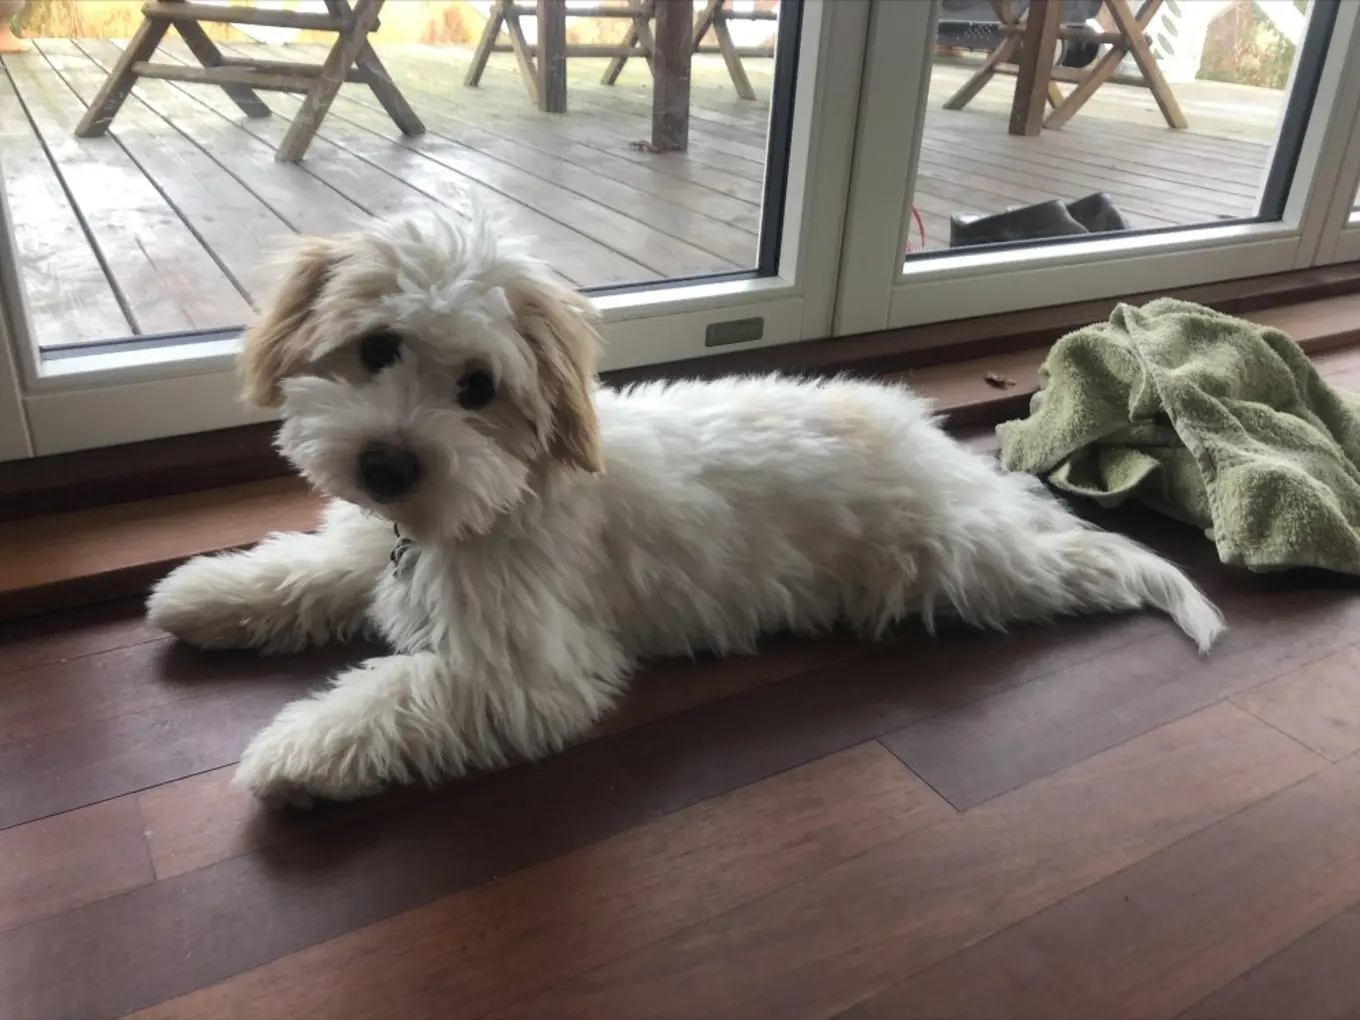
column 1098, row 566
column 1081, row 569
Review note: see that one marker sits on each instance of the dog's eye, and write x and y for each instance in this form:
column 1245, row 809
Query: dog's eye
column 476, row 390
column 379, row 350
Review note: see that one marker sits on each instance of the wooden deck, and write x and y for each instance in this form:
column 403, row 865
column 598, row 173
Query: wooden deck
column 160, row 227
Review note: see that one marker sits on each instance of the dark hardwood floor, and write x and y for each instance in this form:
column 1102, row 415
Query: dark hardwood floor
column 1084, row 820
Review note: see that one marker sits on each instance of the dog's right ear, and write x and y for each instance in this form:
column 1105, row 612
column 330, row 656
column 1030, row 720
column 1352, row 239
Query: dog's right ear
column 280, row 342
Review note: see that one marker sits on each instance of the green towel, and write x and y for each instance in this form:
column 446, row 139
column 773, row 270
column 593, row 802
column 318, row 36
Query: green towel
column 1215, row 421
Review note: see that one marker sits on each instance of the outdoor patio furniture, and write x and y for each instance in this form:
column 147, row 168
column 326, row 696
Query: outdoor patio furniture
column 543, row 66
column 545, row 80
column 352, row 59
column 714, row 18
column 1032, row 31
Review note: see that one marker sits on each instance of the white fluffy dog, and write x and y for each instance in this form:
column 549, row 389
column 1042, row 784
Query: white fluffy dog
column 549, row 534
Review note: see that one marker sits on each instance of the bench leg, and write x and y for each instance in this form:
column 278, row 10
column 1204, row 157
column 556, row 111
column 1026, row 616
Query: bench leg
column 210, row 56
column 638, row 32
column 494, row 20
column 376, row 77
column 338, row 62
column 118, row 85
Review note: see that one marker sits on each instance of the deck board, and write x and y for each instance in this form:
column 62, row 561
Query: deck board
column 176, row 209
column 169, row 280
column 231, row 221
column 66, row 289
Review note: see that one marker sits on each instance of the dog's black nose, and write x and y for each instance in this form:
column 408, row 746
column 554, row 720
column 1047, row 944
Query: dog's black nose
column 388, row 472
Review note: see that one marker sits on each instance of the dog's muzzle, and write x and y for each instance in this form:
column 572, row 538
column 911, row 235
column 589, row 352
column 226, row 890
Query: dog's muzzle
column 388, row 473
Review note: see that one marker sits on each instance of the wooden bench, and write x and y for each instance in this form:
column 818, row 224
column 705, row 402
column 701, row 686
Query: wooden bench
column 352, row 59
column 1028, row 50
column 714, row 18
column 543, row 65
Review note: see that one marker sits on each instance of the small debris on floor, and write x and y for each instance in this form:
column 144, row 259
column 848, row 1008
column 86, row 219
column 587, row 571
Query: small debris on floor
column 1001, row 382
column 643, row 147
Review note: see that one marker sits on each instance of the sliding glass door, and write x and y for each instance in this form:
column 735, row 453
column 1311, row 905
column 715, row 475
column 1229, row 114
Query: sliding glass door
column 826, row 168
column 1149, row 145
column 140, row 247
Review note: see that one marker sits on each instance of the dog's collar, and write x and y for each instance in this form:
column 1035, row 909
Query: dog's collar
column 403, row 553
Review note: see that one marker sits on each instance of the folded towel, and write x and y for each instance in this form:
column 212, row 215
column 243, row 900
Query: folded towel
column 1210, row 419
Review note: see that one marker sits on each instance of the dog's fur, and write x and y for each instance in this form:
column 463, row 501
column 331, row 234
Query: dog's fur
column 563, row 532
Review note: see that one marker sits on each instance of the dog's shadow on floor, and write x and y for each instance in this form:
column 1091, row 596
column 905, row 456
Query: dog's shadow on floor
column 676, row 750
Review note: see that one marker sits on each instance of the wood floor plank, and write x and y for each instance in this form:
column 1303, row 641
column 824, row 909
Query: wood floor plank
column 774, row 727
column 1165, row 932
column 208, row 925
column 59, row 637
column 67, row 294
column 203, row 819
column 233, row 223
column 1313, row 979
column 167, row 277
column 1023, row 732
column 1318, row 705
column 815, row 949
column 501, row 942
column 83, row 690
column 62, row 863
column 183, row 712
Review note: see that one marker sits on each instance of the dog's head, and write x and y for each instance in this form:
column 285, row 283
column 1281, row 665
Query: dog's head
column 426, row 370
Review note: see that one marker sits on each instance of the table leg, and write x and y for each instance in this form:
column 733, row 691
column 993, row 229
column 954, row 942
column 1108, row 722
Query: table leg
column 552, row 56
column 670, row 95
column 1034, row 67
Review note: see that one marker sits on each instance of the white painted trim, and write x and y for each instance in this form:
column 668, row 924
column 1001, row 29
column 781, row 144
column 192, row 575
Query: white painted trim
column 1319, row 198
column 82, row 419
column 15, row 442
column 960, row 295
column 1345, row 245
column 893, row 96
column 128, row 408
column 1338, row 236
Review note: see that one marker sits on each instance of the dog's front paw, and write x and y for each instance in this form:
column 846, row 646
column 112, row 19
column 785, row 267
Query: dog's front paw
column 199, row 603
column 221, row 602
column 301, row 757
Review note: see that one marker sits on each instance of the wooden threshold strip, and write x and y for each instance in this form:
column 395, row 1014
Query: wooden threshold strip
column 63, row 560
column 86, row 556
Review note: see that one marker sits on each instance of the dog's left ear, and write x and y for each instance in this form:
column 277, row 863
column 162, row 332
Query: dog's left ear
column 560, row 326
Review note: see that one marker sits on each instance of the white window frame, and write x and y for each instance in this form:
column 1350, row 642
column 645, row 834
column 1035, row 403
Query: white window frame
column 887, row 291
column 107, row 399
column 1341, row 236
column 14, row 437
